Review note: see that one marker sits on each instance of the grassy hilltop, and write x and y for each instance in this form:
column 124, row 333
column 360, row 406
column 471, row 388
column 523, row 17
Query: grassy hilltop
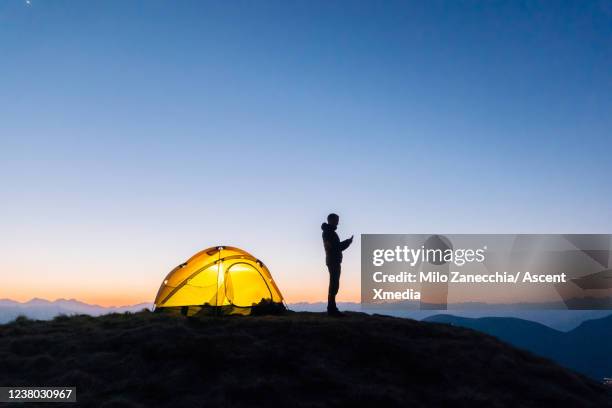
column 297, row 360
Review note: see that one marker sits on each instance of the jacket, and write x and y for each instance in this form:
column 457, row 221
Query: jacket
column 333, row 245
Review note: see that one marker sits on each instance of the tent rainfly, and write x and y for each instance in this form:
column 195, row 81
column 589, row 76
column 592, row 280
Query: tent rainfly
column 220, row 280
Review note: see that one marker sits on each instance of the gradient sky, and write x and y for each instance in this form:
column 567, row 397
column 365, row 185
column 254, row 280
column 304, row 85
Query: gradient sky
column 135, row 133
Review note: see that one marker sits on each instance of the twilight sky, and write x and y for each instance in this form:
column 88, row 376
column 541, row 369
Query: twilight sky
column 135, row 133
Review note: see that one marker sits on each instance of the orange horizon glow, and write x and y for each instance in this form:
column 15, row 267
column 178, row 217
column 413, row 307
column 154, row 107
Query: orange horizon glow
column 105, row 300
column 121, row 280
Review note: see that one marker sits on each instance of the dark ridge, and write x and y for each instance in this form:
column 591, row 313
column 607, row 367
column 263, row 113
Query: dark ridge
column 296, row 360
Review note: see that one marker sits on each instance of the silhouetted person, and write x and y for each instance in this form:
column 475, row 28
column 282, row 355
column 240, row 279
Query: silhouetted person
column 333, row 259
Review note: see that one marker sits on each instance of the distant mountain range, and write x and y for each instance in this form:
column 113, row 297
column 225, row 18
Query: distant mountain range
column 42, row 309
column 559, row 319
column 586, row 349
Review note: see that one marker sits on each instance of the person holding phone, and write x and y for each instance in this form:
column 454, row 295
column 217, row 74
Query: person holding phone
column 333, row 259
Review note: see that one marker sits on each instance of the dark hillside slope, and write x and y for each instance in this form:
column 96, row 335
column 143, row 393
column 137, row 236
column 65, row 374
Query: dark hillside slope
column 297, row 360
column 585, row 349
column 526, row 334
column 591, row 345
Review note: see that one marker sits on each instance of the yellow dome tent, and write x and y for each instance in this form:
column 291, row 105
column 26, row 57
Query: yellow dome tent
column 224, row 280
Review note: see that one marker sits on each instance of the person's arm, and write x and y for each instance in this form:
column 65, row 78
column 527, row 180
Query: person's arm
column 346, row 243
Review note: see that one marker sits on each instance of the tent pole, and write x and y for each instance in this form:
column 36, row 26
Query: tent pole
column 217, row 288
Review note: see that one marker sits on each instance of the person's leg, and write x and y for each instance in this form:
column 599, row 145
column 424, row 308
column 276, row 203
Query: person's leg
column 334, row 286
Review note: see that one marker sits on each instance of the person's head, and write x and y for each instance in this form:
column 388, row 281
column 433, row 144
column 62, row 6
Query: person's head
column 333, row 219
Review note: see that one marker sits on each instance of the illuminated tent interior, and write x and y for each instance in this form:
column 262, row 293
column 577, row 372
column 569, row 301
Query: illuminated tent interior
column 219, row 280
